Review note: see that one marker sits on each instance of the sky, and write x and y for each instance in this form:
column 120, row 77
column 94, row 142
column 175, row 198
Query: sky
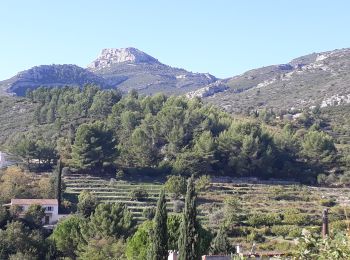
column 222, row 37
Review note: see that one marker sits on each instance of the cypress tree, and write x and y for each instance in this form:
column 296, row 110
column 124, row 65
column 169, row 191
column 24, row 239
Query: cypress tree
column 160, row 231
column 189, row 239
column 59, row 183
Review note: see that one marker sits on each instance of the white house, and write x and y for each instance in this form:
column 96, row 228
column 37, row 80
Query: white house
column 50, row 206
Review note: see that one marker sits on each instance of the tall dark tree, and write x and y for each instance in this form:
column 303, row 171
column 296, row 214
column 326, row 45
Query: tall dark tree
column 58, row 188
column 160, row 232
column 189, row 238
column 94, row 145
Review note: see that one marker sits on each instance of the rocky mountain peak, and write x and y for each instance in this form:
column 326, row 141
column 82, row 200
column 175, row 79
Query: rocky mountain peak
column 112, row 56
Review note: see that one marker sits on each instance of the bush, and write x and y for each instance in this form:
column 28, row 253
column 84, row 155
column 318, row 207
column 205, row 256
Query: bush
column 149, row 213
column 176, row 185
column 328, row 202
column 178, row 206
column 255, row 237
column 321, row 179
column 203, row 182
column 138, row 194
column 295, row 217
column 119, row 174
column 281, row 230
column 238, row 231
column 269, row 219
column 217, row 217
column 339, row 226
column 295, row 232
column 345, row 179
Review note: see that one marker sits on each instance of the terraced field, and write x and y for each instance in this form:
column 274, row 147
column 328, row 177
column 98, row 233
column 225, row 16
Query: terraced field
column 256, row 199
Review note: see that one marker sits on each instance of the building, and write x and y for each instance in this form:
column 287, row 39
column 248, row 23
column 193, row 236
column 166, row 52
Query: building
column 50, row 206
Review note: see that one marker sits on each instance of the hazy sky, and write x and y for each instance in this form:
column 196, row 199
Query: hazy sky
column 224, row 38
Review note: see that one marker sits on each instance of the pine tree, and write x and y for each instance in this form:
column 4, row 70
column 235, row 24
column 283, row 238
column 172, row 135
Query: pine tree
column 189, row 239
column 220, row 244
column 160, row 232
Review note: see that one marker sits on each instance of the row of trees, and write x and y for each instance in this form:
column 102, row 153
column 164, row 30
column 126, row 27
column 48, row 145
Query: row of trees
column 103, row 130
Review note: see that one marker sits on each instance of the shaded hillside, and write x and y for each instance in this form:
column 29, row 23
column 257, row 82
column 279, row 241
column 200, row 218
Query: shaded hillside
column 315, row 79
column 16, row 115
column 51, row 75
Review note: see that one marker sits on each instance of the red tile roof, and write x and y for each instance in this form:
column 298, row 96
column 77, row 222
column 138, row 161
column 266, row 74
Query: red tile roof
column 34, row 202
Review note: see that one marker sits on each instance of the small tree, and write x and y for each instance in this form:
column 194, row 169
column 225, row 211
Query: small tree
column 35, row 214
column 149, row 212
column 87, row 202
column 220, row 244
column 189, row 238
column 176, row 185
column 138, row 194
column 110, row 220
column 203, row 182
column 160, row 231
column 67, row 235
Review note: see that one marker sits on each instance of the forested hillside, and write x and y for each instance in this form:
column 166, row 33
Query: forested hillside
column 99, row 131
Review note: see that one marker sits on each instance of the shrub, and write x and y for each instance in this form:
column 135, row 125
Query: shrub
column 295, row 232
column 119, row 174
column 264, row 219
column 281, row 230
column 203, row 182
column 321, row 179
column 345, row 178
column 217, row 217
column 138, row 194
column 255, row 237
column 295, row 217
column 339, row 226
column 149, row 212
column 238, row 231
column 328, row 202
column 176, row 185
column 178, row 206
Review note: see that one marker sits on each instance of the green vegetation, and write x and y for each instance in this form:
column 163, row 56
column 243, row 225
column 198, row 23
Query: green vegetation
column 120, row 153
column 159, row 246
column 189, row 237
column 99, row 132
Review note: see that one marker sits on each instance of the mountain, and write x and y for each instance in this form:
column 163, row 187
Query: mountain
column 318, row 79
column 130, row 68
column 125, row 69
column 50, row 75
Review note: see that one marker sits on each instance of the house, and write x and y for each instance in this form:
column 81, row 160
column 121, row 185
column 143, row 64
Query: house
column 50, row 206
column 173, row 255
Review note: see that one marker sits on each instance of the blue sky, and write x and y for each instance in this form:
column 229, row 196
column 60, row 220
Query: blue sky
column 222, row 37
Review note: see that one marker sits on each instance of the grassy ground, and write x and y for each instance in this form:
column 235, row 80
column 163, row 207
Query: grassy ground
column 259, row 199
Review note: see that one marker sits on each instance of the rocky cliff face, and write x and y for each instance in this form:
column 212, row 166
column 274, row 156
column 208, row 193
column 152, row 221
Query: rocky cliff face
column 108, row 57
column 130, row 68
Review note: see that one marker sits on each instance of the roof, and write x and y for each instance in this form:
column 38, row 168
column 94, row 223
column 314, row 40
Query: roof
column 34, row 202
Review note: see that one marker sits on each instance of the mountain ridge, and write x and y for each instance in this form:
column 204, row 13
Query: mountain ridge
column 316, row 79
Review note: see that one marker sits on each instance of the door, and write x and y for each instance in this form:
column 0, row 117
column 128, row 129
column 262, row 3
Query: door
column 47, row 220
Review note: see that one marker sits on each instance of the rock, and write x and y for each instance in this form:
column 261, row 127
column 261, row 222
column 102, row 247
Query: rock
column 111, row 56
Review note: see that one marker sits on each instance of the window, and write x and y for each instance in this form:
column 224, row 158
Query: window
column 49, row 208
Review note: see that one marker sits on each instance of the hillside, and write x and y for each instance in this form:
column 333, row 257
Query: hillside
column 317, row 79
column 50, row 75
column 129, row 68
column 125, row 69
